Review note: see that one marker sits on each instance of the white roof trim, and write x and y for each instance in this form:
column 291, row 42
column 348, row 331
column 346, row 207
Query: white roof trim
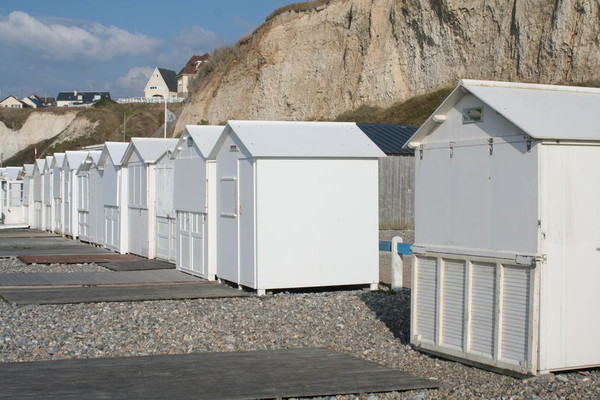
column 550, row 112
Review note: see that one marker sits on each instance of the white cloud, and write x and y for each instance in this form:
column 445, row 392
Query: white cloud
column 247, row 26
column 190, row 40
column 62, row 42
column 136, row 78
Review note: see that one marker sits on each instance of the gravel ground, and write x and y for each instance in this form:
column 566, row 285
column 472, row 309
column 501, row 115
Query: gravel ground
column 13, row 265
column 407, row 236
column 369, row 325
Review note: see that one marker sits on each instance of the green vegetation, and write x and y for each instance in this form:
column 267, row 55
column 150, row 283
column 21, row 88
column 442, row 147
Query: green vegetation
column 299, row 7
column 14, row 118
column 104, row 102
column 109, row 122
column 220, row 59
column 411, row 112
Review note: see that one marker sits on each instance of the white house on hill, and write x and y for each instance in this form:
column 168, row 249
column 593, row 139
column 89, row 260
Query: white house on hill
column 162, row 84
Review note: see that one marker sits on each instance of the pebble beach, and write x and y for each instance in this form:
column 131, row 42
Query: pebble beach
column 371, row 325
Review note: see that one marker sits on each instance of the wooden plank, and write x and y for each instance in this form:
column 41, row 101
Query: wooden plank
column 71, row 295
column 95, row 278
column 139, row 265
column 396, row 192
column 16, row 235
column 75, row 258
column 216, row 376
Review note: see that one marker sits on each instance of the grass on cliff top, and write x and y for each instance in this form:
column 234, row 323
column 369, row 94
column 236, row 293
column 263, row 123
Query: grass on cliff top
column 411, row 112
column 299, row 7
column 14, row 118
column 141, row 120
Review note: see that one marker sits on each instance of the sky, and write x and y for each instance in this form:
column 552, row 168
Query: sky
column 48, row 47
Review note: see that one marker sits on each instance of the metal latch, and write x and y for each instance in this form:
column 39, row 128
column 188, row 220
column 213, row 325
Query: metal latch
column 451, row 149
column 420, row 151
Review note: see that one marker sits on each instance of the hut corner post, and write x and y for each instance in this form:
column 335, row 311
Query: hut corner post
column 397, row 265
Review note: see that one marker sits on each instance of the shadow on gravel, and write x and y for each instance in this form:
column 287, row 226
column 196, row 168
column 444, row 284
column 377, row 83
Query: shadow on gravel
column 393, row 309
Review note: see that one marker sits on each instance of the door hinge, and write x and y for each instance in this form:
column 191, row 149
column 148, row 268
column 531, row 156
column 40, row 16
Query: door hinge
column 451, row 149
column 491, row 145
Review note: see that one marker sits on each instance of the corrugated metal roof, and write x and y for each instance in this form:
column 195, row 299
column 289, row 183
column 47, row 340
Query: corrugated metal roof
column 389, row 137
column 149, row 149
column 303, row 139
column 114, row 150
column 541, row 111
column 204, row 136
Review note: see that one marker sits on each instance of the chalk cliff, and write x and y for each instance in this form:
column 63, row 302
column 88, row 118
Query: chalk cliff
column 317, row 60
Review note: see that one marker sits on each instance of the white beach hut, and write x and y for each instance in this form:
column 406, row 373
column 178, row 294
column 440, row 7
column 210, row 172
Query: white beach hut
column 38, row 193
column 195, row 200
column 12, row 196
column 306, row 186
column 506, row 267
column 138, row 164
column 48, row 198
column 89, row 199
column 110, row 164
column 28, row 193
column 57, row 189
column 71, row 163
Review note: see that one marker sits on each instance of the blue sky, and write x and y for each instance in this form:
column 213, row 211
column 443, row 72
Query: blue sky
column 109, row 45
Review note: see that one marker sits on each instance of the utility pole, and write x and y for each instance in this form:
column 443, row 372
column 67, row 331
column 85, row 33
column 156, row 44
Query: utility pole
column 124, row 124
column 165, row 134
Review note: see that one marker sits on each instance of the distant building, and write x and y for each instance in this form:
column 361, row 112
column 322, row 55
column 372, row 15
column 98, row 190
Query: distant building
column 12, row 102
column 189, row 72
column 46, row 101
column 32, row 101
column 76, row 98
column 162, row 84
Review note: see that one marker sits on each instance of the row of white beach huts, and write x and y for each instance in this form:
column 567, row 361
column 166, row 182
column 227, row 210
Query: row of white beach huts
column 506, row 259
column 264, row 205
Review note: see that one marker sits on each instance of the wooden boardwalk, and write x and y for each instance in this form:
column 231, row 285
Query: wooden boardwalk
column 216, row 376
column 76, row 258
column 70, row 295
column 94, row 278
column 137, row 265
column 20, row 246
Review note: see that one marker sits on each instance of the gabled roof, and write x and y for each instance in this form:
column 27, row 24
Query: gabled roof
column 301, row 139
column 204, row 138
column 390, row 138
column 170, row 78
column 74, row 158
column 89, row 161
column 58, row 160
column 541, row 111
column 48, row 162
column 114, row 151
column 86, row 97
column 193, row 63
column 149, row 149
column 12, row 173
column 39, row 164
column 33, row 101
column 28, row 169
column 13, row 97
